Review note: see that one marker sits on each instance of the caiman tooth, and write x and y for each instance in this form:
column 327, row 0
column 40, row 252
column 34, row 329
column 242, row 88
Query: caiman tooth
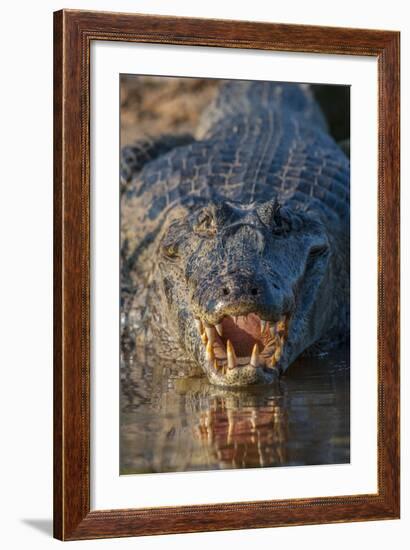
column 216, row 366
column 272, row 330
column 230, row 353
column 263, row 326
column 278, row 353
column 281, row 325
column 255, row 356
column 198, row 324
column 219, row 329
column 209, row 352
column 210, row 333
column 204, row 338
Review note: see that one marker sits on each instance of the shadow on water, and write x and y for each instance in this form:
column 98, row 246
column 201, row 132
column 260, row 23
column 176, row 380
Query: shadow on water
column 171, row 422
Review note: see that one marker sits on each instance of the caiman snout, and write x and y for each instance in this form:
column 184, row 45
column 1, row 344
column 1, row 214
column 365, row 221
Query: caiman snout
column 242, row 318
column 242, row 332
column 240, row 294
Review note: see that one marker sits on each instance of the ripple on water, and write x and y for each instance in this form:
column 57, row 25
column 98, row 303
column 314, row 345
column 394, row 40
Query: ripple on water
column 173, row 423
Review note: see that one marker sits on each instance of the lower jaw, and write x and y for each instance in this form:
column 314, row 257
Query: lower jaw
column 242, row 376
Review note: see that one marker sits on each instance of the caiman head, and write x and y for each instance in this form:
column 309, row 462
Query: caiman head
column 245, row 287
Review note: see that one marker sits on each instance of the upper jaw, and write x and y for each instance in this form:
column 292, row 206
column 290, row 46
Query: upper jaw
column 242, row 350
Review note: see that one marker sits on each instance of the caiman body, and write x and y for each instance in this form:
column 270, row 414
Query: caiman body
column 235, row 242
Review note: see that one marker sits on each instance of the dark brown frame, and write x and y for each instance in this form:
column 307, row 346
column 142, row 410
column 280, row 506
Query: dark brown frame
column 73, row 33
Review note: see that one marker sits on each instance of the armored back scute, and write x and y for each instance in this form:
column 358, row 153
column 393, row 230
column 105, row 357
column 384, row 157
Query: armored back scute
column 239, row 97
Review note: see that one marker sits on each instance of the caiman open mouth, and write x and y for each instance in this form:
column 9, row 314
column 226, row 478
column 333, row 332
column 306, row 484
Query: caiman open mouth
column 243, row 341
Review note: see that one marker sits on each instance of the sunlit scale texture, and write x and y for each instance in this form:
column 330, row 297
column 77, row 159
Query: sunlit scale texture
column 234, row 275
column 246, row 219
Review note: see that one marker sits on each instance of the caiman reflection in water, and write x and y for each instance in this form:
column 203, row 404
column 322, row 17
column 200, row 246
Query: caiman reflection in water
column 173, row 423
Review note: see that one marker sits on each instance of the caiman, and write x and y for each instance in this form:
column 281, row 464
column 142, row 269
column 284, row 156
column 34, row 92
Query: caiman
column 235, row 241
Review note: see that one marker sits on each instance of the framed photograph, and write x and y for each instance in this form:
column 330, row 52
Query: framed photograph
column 226, row 275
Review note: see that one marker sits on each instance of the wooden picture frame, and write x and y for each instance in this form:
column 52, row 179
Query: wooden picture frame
column 73, row 33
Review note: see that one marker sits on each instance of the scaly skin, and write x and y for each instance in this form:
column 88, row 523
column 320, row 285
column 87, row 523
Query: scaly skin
column 245, row 223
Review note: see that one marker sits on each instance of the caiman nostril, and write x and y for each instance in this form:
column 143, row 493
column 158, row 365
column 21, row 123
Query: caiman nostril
column 226, row 291
column 254, row 291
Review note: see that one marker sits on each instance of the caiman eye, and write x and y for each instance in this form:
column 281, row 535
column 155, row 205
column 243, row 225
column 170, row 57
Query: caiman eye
column 282, row 223
column 170, row 250
column 318, row 251
column 205, row 224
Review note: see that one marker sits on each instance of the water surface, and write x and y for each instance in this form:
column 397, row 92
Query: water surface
column 171, row 422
